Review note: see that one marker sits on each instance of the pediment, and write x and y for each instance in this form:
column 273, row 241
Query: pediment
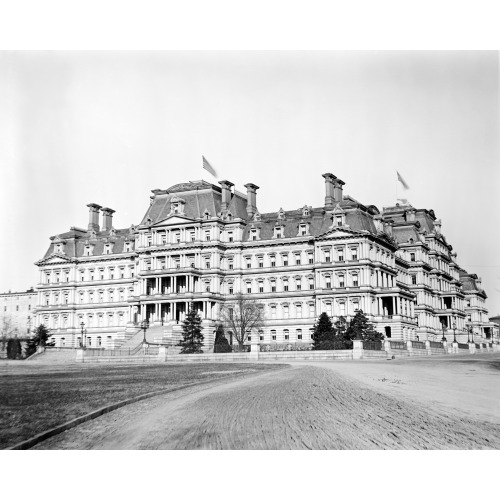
column 338, row 233
column 55, row 259
column 173, row 220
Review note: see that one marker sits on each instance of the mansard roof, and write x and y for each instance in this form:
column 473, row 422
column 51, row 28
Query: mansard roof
column 76, row 240
column 469, row 283
column 199, row 197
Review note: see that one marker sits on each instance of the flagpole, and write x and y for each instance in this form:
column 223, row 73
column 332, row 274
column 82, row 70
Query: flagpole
column 397, row 190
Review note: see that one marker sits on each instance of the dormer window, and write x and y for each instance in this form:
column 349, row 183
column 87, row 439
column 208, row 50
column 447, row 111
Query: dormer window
column 303, row 229
column 230, row 237
column 88, row 250
column 278, row 232
column 338, row 220
column 254, row 235
column 59, row 248
column 107, row 248
column 281, row 214
column 149, row 241
column 305, row 211
column 127, row 247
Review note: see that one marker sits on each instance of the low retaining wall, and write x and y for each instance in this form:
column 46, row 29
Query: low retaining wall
column 356, row 353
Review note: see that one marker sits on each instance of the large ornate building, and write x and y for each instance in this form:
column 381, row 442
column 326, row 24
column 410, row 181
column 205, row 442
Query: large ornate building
column 200, row 244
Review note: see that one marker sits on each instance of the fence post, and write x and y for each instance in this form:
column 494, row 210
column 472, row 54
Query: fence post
column 254, row 349
column 162, row 353
column 387, row 347
column 445, row 346
column 80, row 356
column 472, row 348
column 428, row 348
column 409, row 347
column 357, row 349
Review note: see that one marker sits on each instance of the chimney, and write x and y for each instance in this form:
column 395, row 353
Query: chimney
column 94, row 216
column 107, row 218
column 251, row 199
column 226, row 194
column 410, row 215
column 337, row 190
column 329, row 196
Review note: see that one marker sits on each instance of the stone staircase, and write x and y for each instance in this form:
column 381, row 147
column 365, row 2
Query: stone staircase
column 152, row 335
column 54, row 356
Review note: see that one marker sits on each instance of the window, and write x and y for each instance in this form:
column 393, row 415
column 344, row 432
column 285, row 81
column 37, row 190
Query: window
column 297, row 259
column 81, row 297
column 261, row 287
column 340, row 255
column 273, row 286
column 302, row 230
column 17, row 308
column 273, row 311
column 230, row 264
column 149, row 241
column 285, row 285
column 341, row 281
column 230, row 237
column 412, row 256
column 207, row 264
column 298, row 309
column 272, row 259
column 311, row 333
column 47, row 278
column 177, row 237
column 57, row 277
column 192, row 236
column 47, row 300
column 261, row 335
column 287, row 334
column 299, row 334
column 311, row 283
column 249, row 338
column 249, row 287
column 65, row 298
column 273, row 334
column 285, row 260
column 253, row 235
column 207, row 235
column 354, row 253
column 285, row 311
column 82, row 275
column 338, row 220
column 231, row 290
column 328, row 281
column 413, row 279
column 261, row 262
column 298, row 284
column 278, row 232
column 310, row 257
column 249, row 263
column 327, row 256
column 355, row 280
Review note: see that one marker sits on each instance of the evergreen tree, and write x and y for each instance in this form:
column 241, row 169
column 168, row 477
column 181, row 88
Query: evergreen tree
column 14, row 349
column 41, row 338
column 323, row 332
column 221, row 344
column 191, row 332
column 361, row 329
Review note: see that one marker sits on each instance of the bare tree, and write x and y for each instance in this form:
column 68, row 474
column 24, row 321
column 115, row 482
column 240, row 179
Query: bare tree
column 242, row 315
column 7, row 328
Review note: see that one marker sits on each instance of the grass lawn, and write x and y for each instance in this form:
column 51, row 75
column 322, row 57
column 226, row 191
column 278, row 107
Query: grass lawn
column 34, row 399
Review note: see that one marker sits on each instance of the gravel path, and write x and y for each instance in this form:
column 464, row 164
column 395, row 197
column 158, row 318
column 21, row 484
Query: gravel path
column 301, row 407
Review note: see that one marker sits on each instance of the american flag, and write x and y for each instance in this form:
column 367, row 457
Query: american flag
column 209, row 167
column 400, row 179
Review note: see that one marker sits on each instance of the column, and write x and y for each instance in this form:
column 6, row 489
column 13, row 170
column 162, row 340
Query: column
column 157, row 312
column 393, row 305
column 174, row 310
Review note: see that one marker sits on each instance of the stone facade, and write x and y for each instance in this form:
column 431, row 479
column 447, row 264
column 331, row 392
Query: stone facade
column 16, row 313
column 201, row 244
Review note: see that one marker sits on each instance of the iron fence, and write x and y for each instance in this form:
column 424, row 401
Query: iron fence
column 398, row 344
column 372, row 345
column 241, row 348
column 293, row 346
column 435, row 345
column 478, row 346
column 491, row 344
column 462, row 346
column 417, row 344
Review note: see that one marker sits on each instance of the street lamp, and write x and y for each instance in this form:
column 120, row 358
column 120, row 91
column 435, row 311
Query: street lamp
column 470, row 334
column 144, row 326
column 84, row 332
column 444, row 331
column 454, row 326
column 29, row 325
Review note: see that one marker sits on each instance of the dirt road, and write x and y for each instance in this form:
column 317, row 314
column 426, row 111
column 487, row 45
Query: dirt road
column 339, row 405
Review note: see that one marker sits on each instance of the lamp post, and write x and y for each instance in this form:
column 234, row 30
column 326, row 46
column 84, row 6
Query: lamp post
column 29, row 326
column 443, row 339
column 144, row 326
column 470, row 334
column 454, row 326
column 82, row 340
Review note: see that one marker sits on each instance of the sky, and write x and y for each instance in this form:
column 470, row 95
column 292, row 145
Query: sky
column 108, row 127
